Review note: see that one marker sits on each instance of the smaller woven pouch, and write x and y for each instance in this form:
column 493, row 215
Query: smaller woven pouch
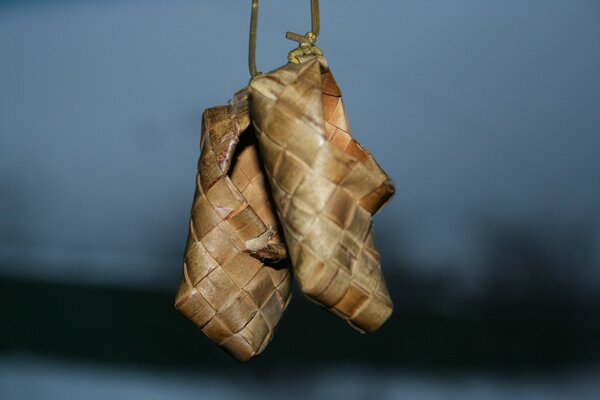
column 326, row 188
column 235, row 284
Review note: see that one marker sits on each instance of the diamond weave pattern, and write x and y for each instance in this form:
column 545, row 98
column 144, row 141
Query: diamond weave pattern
column 235, row 283
column 326, row 188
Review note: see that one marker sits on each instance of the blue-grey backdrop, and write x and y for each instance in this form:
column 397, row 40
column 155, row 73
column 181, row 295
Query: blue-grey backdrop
column 485, row 113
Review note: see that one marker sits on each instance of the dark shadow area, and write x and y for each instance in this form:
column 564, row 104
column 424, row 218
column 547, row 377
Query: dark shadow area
column 529, row 314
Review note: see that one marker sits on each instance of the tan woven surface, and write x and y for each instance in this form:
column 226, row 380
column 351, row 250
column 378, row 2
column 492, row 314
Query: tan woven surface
column 326, row 188
column 235, row 286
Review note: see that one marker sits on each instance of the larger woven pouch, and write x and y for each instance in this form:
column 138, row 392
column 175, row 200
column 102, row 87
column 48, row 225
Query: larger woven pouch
column 326, row 188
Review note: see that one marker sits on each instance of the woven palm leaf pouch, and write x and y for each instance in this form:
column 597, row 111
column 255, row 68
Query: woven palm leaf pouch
column 326, row 187
column 235, row 286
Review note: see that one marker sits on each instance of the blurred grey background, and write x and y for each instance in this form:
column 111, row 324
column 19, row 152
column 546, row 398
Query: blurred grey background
column 485, row 113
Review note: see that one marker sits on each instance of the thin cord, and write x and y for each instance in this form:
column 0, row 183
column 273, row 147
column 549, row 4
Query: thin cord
column 315, row 18
column 252, row 47
column 307, row 43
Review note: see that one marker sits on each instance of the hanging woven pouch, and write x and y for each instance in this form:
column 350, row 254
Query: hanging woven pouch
column 326, row 187
column 235, row 283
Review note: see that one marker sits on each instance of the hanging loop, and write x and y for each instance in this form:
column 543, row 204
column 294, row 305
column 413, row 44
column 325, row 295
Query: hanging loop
column 308, row 42
column 252, row 46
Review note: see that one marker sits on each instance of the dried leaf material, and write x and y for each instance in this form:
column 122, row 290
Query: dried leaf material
column 326, row 188
column 234, row 297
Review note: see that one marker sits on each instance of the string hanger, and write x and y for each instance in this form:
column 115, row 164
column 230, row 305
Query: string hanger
column 307, row 43
column 252, row 47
